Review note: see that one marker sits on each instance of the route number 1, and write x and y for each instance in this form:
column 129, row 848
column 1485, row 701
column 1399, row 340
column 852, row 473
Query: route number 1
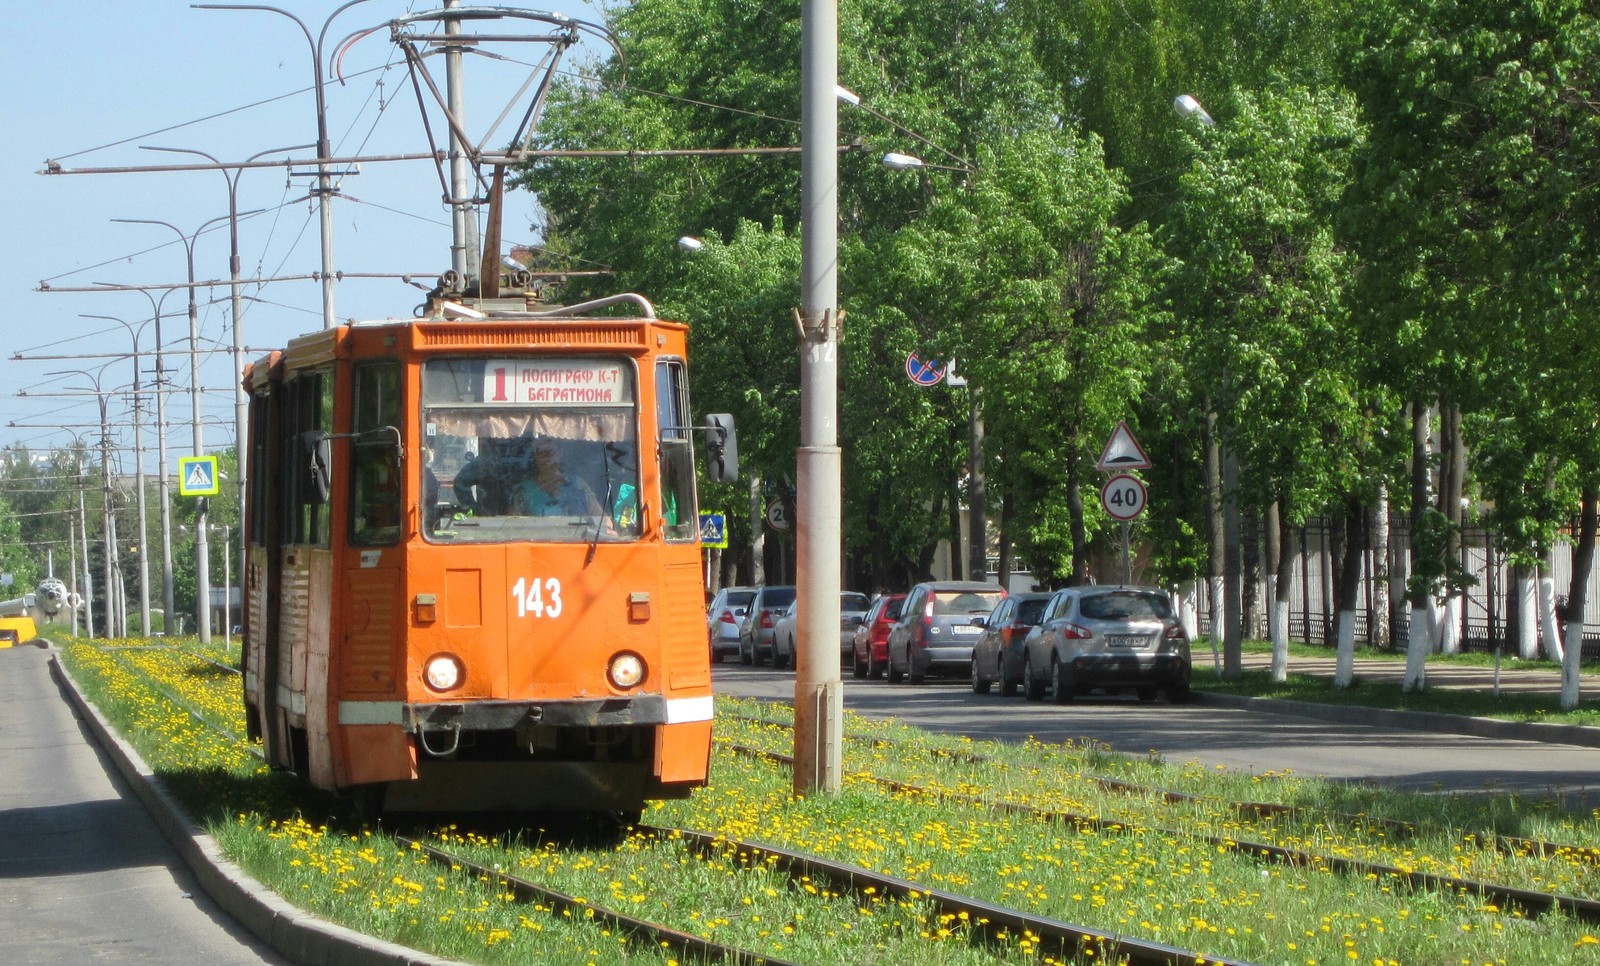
column 1123, row 497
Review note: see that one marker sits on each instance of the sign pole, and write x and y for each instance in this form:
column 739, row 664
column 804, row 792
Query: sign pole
column 1127, row 566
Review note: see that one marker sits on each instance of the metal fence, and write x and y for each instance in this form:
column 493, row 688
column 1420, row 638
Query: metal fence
column 1312, row 612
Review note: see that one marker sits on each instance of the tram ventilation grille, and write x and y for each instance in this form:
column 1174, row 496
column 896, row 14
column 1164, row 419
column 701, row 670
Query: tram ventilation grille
column 522, row 336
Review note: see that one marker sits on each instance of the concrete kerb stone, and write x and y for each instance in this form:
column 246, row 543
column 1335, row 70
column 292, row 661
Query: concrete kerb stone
column 300, row 936
column 1412, row 720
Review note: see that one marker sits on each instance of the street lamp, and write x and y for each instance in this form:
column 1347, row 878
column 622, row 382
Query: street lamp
column 138, row 473
column 1187, row 106
column 690, row 244
column 202, row 550
column 232, row 176
column 108, row 524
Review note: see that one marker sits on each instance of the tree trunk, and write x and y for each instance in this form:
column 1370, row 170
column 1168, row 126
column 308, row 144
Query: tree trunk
column 1378, row 632
column 1522, row 610
column 1577, row 596
column 1005, row 540
column 758, row 532
column 1250, row 586
column 977, row 491
column 1080, row 535
column 1419, row 637
column 1452, row 473
column 1549, row 628
column 1216, row 554
column 1350, row 592
column 1284, row 565
column 1233, row 617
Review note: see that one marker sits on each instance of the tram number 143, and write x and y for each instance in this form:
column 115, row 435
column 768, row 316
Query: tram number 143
column 540, row 598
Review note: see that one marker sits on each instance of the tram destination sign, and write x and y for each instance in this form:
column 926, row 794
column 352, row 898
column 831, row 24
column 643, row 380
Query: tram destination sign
column 556, row 382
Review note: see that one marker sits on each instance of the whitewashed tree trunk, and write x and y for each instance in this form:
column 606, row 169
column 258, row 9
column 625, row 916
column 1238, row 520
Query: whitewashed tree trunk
column 1548, row 632
column 1378, row 633
column 1419, row 641
column 1218, row 587
column 1344, row 667
column 1450, row 625
column 1527, row 629
column 1570, row 664
column 1187, row 593
column 1280, row 640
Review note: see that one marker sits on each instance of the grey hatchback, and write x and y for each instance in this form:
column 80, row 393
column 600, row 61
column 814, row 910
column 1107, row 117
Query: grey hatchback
column 998, row 655
column 1110, row 638
column 936, row 630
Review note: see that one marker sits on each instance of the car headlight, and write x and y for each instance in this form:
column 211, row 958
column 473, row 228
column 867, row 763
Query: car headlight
column 443, row 672
column 626, row 670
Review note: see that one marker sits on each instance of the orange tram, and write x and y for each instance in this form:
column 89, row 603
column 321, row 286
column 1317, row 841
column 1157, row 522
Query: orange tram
column 474, row 573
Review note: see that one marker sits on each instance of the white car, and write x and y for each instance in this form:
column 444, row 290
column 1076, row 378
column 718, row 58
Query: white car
column 853, row 609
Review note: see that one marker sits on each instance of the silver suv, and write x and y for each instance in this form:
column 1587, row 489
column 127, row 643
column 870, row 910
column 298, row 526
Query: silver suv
column 936, row 630
column 1112, row 638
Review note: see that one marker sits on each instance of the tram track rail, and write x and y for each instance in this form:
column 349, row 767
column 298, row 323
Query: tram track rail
column 1510, row 845
column 1531, row 901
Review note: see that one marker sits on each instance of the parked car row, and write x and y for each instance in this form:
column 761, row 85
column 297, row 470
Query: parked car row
column 1072, row 641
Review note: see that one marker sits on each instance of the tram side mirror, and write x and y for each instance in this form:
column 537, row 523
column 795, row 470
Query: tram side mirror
column 317, row 483
column 722, row 448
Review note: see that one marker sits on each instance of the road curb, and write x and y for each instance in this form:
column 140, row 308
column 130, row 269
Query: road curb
column 302, row 937
column 1430, row 721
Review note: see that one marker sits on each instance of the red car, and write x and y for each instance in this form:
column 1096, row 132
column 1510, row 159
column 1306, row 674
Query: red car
column 872, row 637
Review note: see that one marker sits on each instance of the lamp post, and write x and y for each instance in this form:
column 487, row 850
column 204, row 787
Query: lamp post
column 324, row 190
column 108, row 527
column 232, row 176
column 201, row 549
column 138, row 473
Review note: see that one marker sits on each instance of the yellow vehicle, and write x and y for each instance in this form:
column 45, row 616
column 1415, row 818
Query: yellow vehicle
column 17, row 630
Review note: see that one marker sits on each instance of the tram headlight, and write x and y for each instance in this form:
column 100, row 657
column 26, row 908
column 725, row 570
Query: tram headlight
column 626, row 670
column 443, row 672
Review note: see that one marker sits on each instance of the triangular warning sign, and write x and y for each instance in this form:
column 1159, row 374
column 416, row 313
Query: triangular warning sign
column 1123, row 452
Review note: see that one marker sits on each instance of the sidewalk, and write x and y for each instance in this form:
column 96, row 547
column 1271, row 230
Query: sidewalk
column 1438, row 675
column 1511, row 678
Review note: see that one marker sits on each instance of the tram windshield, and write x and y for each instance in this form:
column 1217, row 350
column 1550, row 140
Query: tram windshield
column 530, row 448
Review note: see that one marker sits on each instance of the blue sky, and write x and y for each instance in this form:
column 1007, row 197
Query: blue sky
column 93, row 80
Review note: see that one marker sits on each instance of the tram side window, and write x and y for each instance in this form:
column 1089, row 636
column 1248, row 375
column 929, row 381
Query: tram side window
column 308, row 406
column 375, row 502
column 679, row 516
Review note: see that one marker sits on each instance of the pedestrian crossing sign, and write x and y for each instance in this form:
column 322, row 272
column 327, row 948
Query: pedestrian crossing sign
column 197, row 476
column 714, row 530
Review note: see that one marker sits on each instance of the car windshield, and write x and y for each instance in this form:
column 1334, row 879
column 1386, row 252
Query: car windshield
column 738, row 598
column 965, row 602
column 1125, row 606
column 853, row 603
column 892, row 609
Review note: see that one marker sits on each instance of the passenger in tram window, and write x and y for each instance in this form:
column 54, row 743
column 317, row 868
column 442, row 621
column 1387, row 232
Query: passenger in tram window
column 483, row 484
column 551, row 491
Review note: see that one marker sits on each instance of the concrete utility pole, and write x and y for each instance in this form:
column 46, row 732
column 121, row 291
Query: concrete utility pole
column 465, row 257
column 818, row 690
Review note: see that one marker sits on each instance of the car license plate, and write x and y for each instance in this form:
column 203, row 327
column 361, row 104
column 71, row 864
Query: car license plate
column 1125, row 640
column 966, row 629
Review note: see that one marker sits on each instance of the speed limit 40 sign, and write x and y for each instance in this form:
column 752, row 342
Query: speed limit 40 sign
column 1123, row 496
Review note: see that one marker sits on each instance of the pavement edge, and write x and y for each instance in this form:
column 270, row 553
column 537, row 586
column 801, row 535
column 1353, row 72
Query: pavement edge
column 1412, row 720
column 299, row 935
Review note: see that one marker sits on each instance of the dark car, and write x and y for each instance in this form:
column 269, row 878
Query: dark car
column 722, row 620
column 755, row 631
column 935, row 632
column 1109, row 638
column 998, row 654
column 871, row 639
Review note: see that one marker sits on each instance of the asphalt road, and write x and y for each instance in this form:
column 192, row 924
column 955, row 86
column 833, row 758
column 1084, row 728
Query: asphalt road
column 1246, row 740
